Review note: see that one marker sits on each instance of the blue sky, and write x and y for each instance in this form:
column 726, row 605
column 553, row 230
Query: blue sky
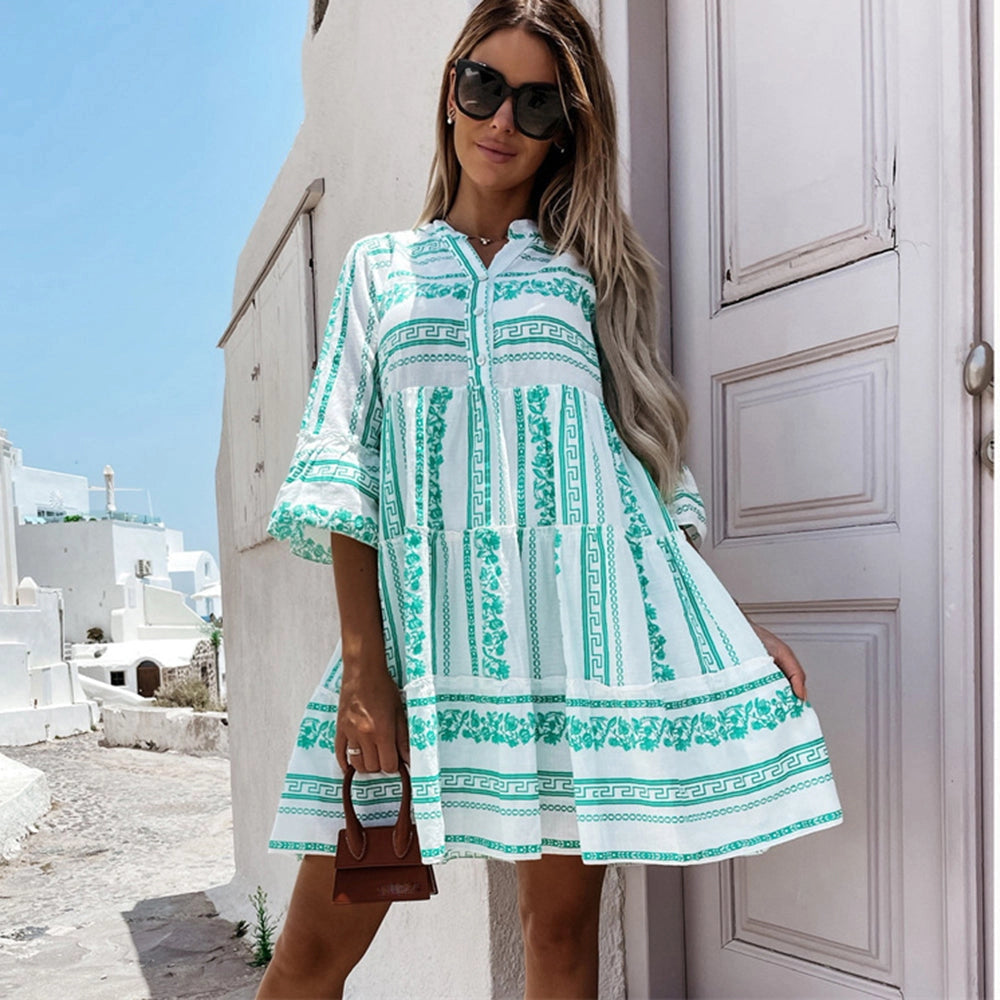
column 138, row 142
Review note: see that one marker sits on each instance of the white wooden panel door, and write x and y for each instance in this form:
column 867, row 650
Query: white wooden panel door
column 822, row 288
column 270, row 355
column 284, row 304
column 246, row 441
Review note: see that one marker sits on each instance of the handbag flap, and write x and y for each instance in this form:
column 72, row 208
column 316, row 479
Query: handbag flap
column 379, row 851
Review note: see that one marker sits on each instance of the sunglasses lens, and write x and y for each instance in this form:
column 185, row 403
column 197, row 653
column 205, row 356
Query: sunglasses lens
column 539, row 112
column 478, row 91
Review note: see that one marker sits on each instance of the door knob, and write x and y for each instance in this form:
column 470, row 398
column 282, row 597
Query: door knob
column 978, row 368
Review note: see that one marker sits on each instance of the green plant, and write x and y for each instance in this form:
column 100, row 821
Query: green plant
column 213, row 630
column 240, row 929
column 95, row 634
column 262, row 935
column 74, row 517
column 187, row 692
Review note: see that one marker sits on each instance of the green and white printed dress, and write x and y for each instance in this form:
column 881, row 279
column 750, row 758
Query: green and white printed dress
column 576, row 678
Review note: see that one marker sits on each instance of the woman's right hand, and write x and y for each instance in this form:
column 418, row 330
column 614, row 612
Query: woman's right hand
column 371, row 715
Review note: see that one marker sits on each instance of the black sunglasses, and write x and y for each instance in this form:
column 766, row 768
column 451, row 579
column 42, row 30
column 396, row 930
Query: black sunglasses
column 480, row 90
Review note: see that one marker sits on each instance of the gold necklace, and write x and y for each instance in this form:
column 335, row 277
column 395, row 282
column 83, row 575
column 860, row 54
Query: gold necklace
column 485, row 240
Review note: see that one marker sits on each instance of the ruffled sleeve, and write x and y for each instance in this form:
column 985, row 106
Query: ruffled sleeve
column 333, row 480
column 687, row 508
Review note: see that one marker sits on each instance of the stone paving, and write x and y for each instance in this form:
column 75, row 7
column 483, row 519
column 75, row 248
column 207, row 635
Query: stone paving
column 106, row 901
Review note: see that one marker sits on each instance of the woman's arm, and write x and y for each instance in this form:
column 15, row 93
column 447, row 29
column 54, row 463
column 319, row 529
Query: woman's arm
column 370, row 713
column 355, row 572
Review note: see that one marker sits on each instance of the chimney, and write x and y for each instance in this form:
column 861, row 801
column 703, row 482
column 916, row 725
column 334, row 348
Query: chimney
column 109, row 489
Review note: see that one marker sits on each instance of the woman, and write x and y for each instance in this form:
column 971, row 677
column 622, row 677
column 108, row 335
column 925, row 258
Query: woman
column 491, row 458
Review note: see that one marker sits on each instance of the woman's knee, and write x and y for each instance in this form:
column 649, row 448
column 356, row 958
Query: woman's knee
column 559, row 904
column 555, row 928
column 305, row 951
column 320, row 937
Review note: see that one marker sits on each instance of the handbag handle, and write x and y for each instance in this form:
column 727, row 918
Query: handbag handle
column 402, row 834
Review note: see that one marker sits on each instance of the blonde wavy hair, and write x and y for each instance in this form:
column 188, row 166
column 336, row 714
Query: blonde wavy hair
column 577, row 207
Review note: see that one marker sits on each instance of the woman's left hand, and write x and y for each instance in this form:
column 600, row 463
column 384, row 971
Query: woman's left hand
column 785, row 658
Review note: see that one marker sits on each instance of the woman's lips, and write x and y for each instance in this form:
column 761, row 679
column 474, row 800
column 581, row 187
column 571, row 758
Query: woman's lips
column 494, row 155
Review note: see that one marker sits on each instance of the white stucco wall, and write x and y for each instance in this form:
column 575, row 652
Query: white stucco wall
column 37, row 626
column 86, row 560
column 181, row 729
column 371, row 141
column 46, row 489
column 99, row 660
column 8, row 547
column 192, row 571
column 15, row 681
column 40, row 695
column 174, row 538
column 132, row 541
column 130, row 614
column 97, row 670
column 167, row 616
column 78, row 558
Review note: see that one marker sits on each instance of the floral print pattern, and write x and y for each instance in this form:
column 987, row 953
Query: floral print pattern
column 575, row 676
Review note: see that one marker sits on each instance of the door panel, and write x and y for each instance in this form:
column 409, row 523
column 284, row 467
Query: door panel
column 803, row 135
column 854, row 675
column 147, row 679
column 833, row 411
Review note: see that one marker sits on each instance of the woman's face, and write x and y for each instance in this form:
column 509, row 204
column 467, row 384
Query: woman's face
column 493, row 154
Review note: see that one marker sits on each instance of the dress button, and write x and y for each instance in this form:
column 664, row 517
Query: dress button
column 481, row 359
column 480, row 310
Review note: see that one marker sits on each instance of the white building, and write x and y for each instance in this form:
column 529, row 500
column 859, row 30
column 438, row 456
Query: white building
column 816, row 220
column 90, row 558
column 40, row 694
column 153, row 635
column 195, row 573
column 89, row 561
column 45, row 493
column 124, row 579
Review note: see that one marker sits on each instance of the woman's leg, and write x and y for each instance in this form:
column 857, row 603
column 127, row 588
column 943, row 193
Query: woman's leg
column 559, row 898
column 321, row 941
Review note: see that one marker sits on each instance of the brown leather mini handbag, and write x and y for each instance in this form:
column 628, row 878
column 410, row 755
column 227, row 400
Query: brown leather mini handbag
column 379, row 864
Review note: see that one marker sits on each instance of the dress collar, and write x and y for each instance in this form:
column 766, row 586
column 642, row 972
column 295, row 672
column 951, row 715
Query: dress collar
column 519, row 229
column 521, row 234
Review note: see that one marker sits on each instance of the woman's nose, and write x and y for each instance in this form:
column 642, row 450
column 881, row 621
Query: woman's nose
column 504, row 117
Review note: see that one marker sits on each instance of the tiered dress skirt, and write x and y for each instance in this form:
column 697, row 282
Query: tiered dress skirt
column 576, row 678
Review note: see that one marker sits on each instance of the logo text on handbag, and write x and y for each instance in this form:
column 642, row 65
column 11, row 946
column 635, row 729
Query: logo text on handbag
column 398, row 888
